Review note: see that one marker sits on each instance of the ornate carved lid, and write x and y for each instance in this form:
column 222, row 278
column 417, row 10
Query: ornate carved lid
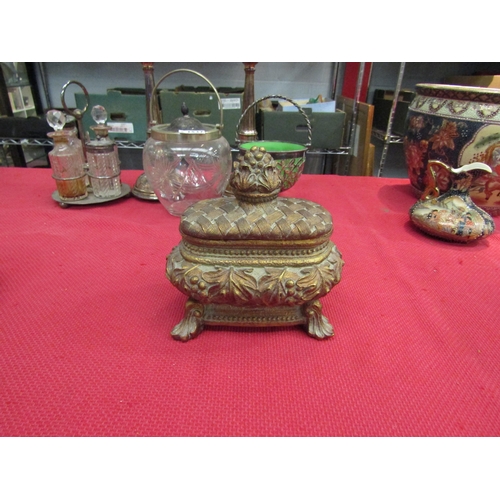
column 228, row 219
column 256, row 212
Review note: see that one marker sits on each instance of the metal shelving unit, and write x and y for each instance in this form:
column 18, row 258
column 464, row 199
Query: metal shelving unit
column 387, row 137
column 352, row 129
column 20, row 100
column 343, row 152
column 49, row 143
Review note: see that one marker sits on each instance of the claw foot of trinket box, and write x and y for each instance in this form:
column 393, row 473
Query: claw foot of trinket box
column 453, row 216
column 254, row 259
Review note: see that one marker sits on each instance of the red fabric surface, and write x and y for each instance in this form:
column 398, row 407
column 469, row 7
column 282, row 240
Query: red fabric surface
column 86, row 313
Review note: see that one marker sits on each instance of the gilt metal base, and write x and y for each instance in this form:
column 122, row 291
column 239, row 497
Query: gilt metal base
column 142, row 189
column 198, row 315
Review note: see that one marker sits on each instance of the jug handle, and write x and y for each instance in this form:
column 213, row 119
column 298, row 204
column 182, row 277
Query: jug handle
column 432, row 191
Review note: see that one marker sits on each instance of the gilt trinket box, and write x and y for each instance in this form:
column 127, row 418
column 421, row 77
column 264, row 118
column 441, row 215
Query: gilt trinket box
column 255, row 258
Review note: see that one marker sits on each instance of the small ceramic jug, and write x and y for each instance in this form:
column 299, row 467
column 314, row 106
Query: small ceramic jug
column 452, row 216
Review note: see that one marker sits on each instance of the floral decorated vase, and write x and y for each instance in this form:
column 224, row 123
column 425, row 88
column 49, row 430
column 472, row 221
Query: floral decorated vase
column 457, row 126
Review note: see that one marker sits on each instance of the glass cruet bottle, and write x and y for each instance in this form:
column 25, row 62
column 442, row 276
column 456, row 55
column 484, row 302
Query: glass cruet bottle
column 72, row 133
column 102, row 158
column 66, row 160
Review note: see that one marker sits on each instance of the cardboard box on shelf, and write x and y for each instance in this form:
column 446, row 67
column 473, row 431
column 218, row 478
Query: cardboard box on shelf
column 126, row 108
column 382, row 102
column 326, row 128
column 283, row 105
column 326, row 106
column 203, row 105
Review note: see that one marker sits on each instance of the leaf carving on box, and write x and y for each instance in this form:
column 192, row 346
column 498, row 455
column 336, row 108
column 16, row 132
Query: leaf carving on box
column 336, row 263
column 179, row 274
column 243, row 179
column 315, row 282
column 186, row 276
column 269, row 178
column 242, row 286
column 180, row 271
column 277, row 287
column 229, row 283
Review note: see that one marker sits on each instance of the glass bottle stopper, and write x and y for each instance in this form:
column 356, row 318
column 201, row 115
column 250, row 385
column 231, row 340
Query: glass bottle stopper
column 99, row 114
column 56, row 119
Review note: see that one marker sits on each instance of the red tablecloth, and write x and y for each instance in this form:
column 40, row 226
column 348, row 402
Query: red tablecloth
column 86, row 313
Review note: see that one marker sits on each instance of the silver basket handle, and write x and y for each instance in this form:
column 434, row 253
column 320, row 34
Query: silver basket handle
column 154, row 96
column 309, row 130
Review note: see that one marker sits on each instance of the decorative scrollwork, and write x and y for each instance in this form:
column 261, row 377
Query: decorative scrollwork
column 269, row 286
column 317, row 281
column 255, row 176
column 237, row 286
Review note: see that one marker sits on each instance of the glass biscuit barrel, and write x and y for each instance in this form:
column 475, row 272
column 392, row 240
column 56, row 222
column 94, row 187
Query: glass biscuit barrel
column 186, row 161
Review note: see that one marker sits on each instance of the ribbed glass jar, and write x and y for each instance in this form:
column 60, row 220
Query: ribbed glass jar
column 104, row 171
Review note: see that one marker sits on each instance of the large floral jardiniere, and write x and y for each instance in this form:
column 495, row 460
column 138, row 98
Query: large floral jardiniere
column 457, row 126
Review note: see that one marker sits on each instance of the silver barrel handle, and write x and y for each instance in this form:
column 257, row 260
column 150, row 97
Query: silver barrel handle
column 308, row 122
column 154, row 97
